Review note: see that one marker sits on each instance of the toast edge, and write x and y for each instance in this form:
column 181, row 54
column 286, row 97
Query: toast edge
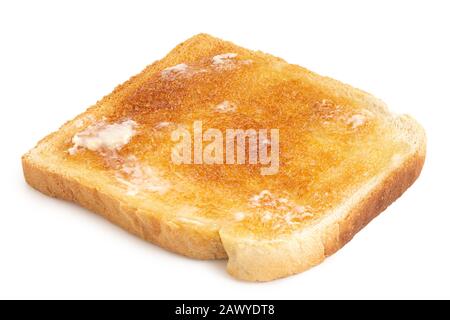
column 179, row 238
column 246, row 262
column 254, row 261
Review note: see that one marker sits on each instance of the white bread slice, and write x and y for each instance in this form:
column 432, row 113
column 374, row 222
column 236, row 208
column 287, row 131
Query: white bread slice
column 344, row 172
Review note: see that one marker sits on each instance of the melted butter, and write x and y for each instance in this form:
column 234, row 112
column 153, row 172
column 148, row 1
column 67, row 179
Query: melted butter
column 329, row 143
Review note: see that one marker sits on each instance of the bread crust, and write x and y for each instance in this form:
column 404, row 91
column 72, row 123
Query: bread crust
column 259, row 260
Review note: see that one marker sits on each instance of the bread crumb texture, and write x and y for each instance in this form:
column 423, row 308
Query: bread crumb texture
column 335, row 141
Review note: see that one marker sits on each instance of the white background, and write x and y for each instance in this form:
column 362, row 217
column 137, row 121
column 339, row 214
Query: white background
column 57, row 58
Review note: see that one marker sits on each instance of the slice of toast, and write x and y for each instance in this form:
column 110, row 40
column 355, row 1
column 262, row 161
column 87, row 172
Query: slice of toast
column 343, row 158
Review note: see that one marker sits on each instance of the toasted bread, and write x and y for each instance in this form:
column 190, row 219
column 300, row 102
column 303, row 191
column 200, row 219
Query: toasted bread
column 343, row 158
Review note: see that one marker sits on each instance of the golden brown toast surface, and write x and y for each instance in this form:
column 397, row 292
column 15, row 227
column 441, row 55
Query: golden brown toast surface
column 330, row 138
